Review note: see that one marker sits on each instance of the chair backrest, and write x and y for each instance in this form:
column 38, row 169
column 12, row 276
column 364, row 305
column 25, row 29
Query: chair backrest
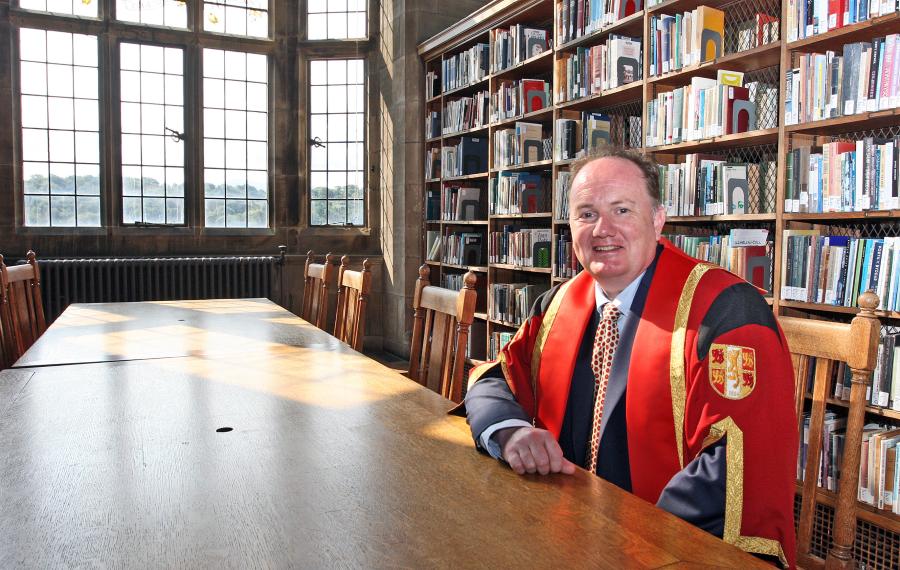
column 817, row 348
column 8, row 352
column 27, row 309
column 316, row 276
column 352, row 298
column 441, row 322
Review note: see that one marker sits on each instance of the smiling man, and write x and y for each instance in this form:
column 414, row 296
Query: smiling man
column 665, row 376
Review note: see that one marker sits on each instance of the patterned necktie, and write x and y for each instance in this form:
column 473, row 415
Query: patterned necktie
column 605, row 343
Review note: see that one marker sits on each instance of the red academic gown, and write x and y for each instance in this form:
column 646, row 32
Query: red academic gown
column 679, row 402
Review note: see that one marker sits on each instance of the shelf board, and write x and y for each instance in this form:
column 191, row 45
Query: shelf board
column 880, row 517
column 565, row 162
column 466, row 177
column 872, row 410
column 622, row 94
column 766, row 55
column 560, row 279
column 433, row 221
column 861, row 31
column 545, row 114
column 526, row 166
column 481, row 316
column 466, row 222
column 632, row 25
column 433, row 99
column 536, row 63
column 729, row 218
column 471, row 86
column 834, row 309
column 458, row 134
column 841, row 216
column 475, row 268
column 861, row 121
column 432, row 180
column 432, row 262
column 519, row 216
column 561, row 222
column 752, row 138
column 434, row 139
column 523, row 268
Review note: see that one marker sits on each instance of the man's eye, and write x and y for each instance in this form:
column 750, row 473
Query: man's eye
column 623, row 210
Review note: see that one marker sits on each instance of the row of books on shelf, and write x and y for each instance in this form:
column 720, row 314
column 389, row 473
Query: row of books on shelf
column 862, row 77
column 432, row 164
column 511, row 302
column 521, row 144
column 461, row 203
column 518, row 193
column 746, row 253
column 466, row 67
column 462, row 248
column 525, row 247
column 682, row 40
column 513, row 45
column 561, row 198
column 710, row 108
column 706, row 185
column 879, row 468
column 432, row 124
column 519, row 96
column 807, row 18
column 591, row 70
column 432, row 84
column 498, row 340
column 575, row 134
column 577, row 18
column 566, row 265
column 836, row 270
column 468, row 156
column 843, row 176
column 455, row 281
column 466, row 113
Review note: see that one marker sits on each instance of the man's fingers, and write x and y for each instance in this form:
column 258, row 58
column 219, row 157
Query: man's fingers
column 555, row 456
column 515, row 462
column 541, row 458
column 568, row 467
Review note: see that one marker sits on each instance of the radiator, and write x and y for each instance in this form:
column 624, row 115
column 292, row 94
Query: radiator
column 105, row 280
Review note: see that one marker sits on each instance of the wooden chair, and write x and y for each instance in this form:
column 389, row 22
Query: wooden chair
column 317, row 276
column 829, row 343
column 23, row 283
column 8, row 351
column 352, row 298
column 440, row 334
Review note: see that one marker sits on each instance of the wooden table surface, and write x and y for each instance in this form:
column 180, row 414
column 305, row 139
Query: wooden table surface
column 105, row 332
column 333, row 461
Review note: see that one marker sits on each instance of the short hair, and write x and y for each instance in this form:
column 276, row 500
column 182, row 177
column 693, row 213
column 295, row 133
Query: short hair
column 648, row 167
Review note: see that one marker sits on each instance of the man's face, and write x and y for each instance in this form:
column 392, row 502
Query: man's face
column 615, row 227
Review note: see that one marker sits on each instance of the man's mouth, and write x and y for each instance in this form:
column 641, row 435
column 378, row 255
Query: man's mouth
column 606, row 248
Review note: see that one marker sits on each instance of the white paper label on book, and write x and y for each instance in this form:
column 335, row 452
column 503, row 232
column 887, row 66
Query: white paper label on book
column 748, row 237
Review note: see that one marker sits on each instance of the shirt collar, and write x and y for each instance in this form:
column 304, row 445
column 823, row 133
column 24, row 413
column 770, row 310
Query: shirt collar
column 623, row 300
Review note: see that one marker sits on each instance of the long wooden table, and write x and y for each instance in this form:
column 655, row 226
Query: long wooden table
column 331, row 460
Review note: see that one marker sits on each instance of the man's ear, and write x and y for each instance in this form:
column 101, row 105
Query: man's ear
column 659, row 220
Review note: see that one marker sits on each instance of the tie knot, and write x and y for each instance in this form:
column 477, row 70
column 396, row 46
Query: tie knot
column 611, row 312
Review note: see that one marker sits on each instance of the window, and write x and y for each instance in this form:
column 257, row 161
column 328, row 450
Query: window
column 73, row 7
column 337, row 155
column 152, row 93
column 60, row 128
column 171, row 13
column 336, row 19
column 235, row 143
column 238, row 17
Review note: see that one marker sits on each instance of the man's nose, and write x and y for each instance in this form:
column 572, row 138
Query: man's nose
column 603, row 227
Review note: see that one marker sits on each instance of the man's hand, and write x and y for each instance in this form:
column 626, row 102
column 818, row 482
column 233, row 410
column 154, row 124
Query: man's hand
column 532, row 450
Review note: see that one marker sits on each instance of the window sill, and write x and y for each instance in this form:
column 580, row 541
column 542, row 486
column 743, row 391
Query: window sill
column 335, row 231
column 224, row 232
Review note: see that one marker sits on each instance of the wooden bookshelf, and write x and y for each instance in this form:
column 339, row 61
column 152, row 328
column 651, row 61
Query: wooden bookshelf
column 772, row 58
